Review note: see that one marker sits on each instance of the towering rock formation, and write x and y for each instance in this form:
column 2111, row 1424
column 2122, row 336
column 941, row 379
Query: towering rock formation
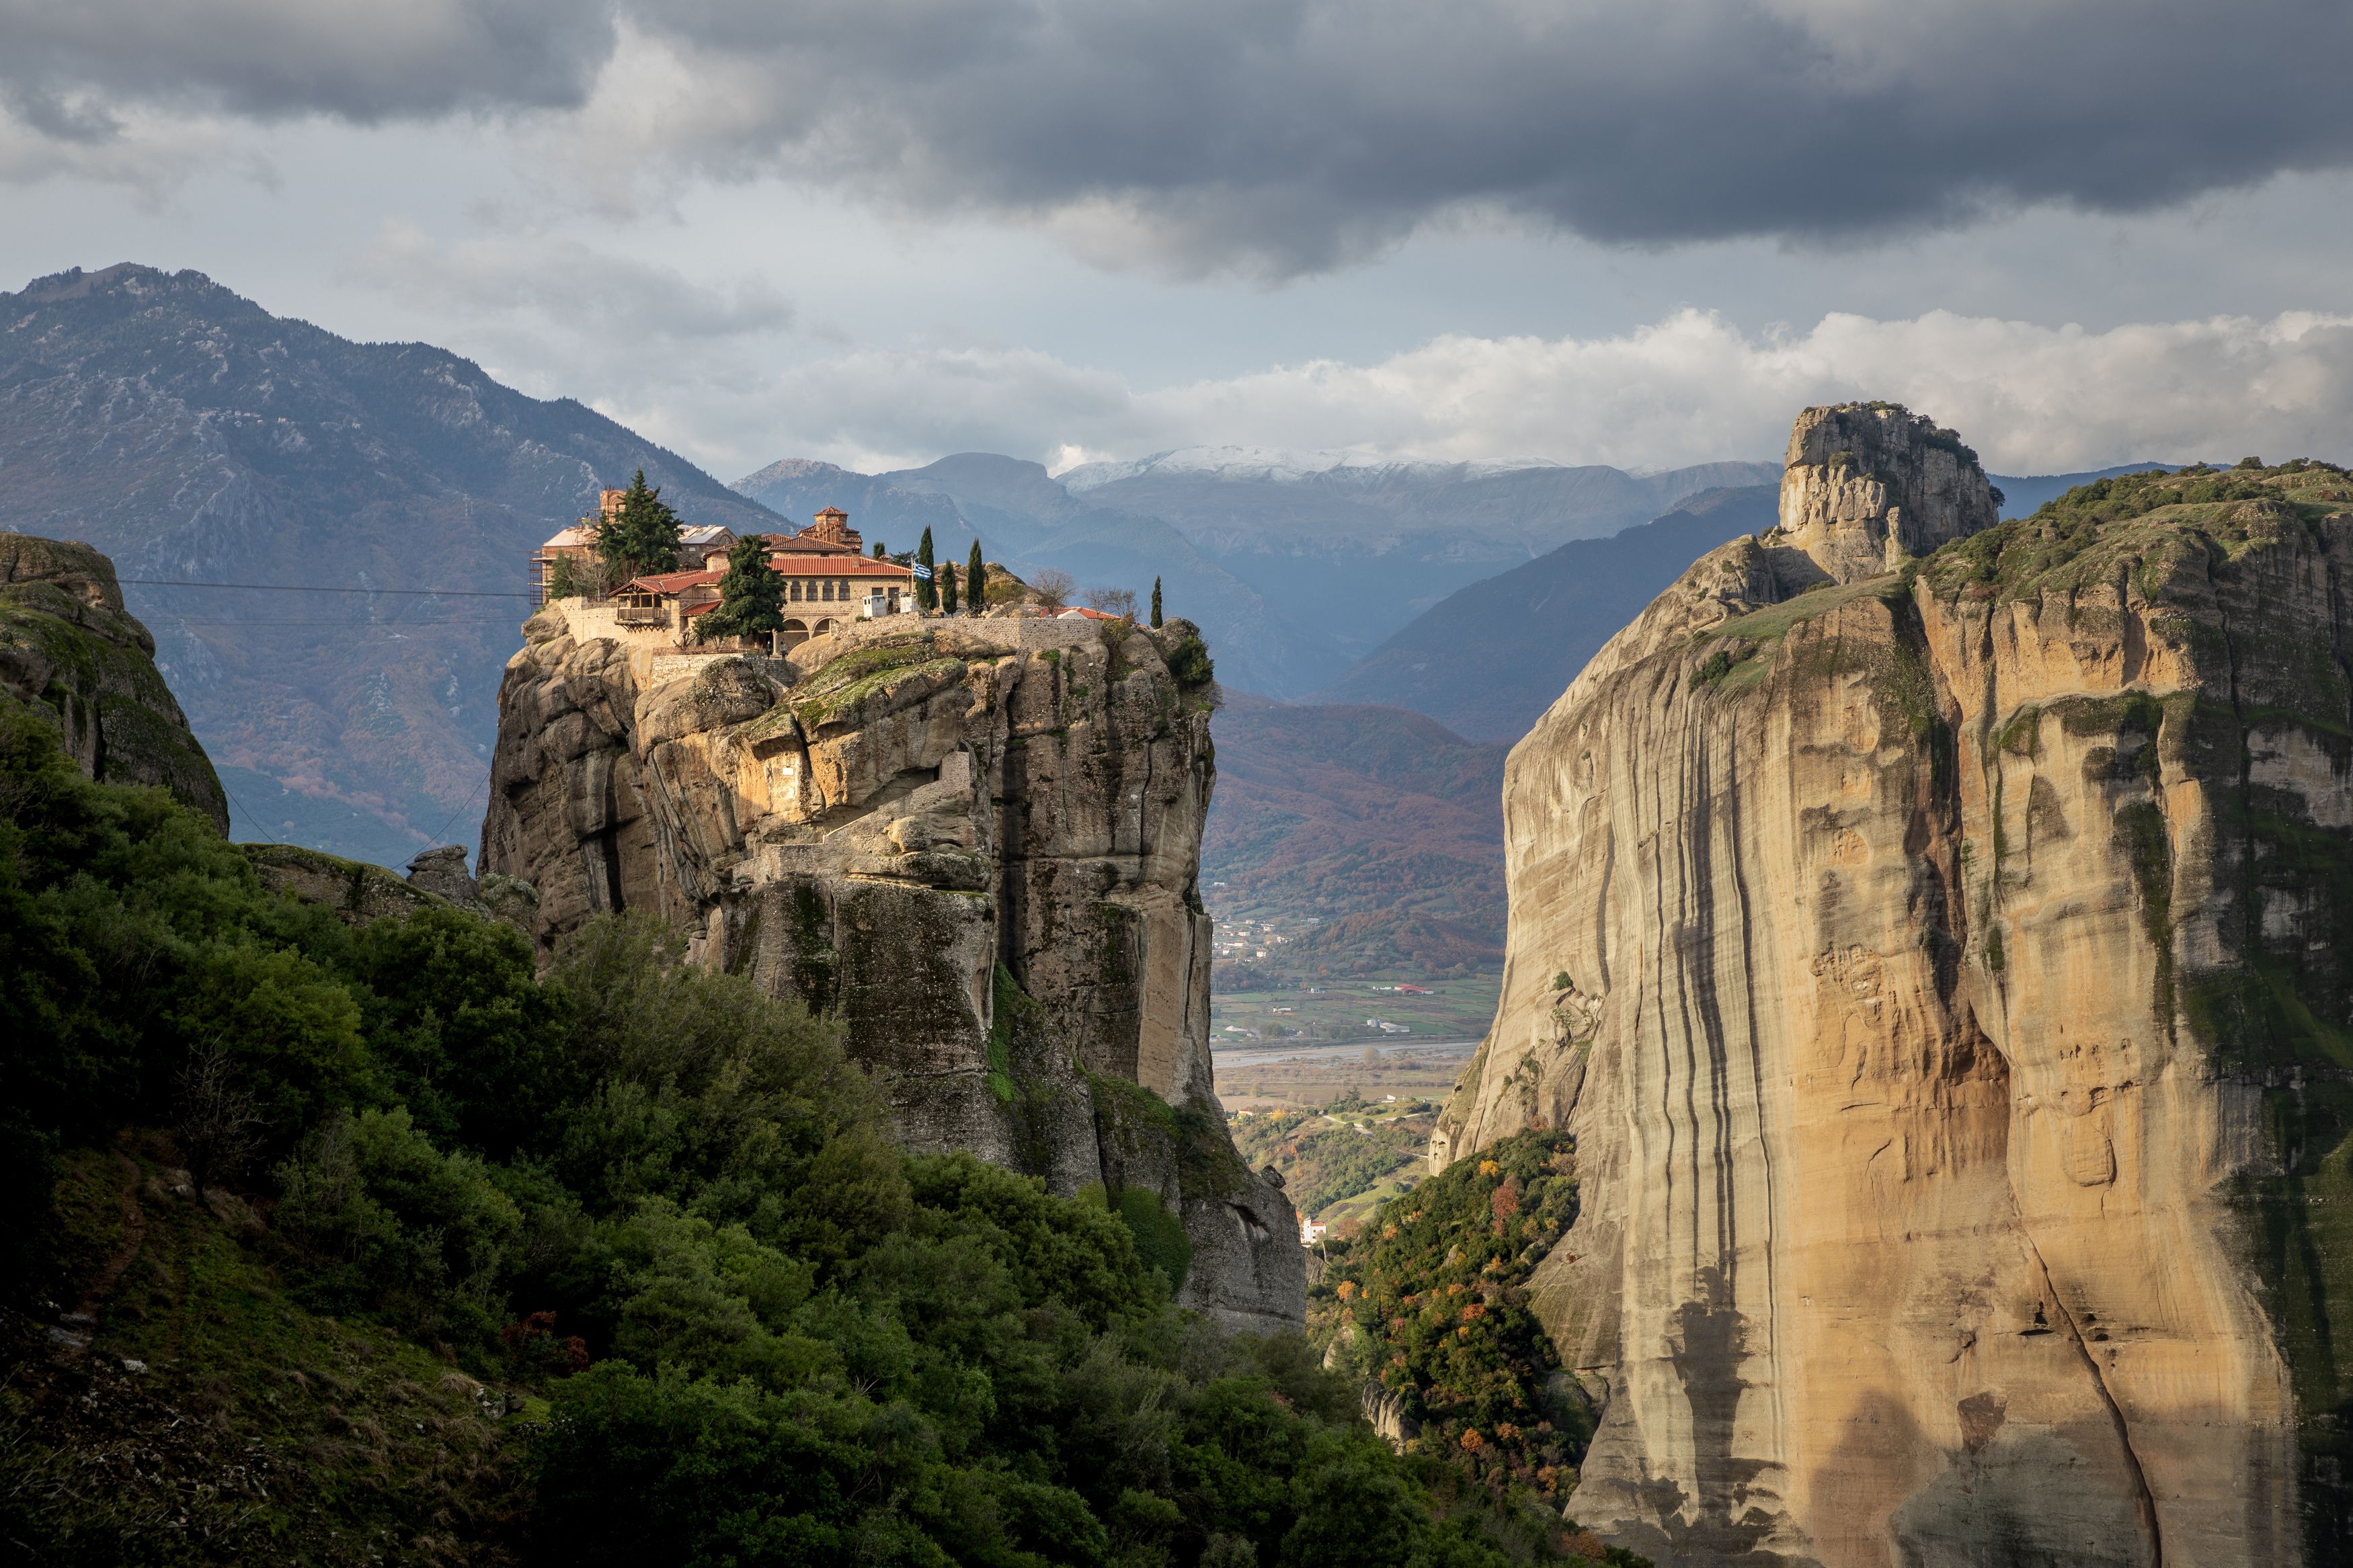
column 1942, row 964
column 976, row 842
column 71, row 654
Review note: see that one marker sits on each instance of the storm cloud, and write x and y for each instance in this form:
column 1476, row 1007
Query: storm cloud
column 1284, row 136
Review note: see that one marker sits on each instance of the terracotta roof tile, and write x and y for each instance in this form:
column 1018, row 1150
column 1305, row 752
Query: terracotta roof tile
column 672, row 581
column 850, row 566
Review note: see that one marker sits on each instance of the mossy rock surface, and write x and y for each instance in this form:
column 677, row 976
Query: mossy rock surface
column 357, row 890
column 71, row 653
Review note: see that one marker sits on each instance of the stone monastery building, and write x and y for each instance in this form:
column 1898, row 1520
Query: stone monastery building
column 828, row 579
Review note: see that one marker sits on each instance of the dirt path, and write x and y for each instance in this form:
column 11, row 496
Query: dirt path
column 76, row 1328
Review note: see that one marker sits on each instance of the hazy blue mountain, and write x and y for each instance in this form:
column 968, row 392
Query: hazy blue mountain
column 195, row 438
column 1489, row 659
column 1023, row 518
column 1294, row 564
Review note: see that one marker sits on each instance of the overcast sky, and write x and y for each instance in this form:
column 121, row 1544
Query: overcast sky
column 876, row 231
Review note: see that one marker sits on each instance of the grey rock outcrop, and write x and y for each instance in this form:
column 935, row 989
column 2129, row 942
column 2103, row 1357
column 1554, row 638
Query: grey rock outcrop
column 1869, row 486
column 975, row 842
column 443, row 871
column 74, row 657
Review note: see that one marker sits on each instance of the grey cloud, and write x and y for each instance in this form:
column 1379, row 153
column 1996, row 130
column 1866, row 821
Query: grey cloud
column 601, row 298
column 363, row 60
column 1289, row 135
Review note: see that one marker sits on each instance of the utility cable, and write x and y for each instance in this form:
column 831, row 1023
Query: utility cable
column 299, row 588
column 361, row 625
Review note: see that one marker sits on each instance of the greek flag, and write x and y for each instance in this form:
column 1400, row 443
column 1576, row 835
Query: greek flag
column 920, row 570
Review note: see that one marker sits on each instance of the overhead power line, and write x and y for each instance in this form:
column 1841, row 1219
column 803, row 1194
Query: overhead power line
column 358, row 626
column 299, row 588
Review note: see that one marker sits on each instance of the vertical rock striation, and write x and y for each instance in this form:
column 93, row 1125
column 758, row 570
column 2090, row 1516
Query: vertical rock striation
column 976, row 842
column 1941, row 967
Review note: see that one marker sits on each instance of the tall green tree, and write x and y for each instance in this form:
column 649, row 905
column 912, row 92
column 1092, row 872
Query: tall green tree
column 976, row 581
column 563, row 579
column 642, row 536
column 751, row 596
column 882, row 552
column 927, row 591
column 1155, row 603
column 947, row 588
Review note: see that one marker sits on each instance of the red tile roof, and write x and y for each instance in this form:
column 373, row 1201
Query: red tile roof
column 672, row 581
column 855, row 566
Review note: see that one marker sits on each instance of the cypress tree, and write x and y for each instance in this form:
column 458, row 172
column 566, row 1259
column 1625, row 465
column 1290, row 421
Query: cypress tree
column 927, row 591
column 640, row 538
column 879, row 552
column 751, row 596
column 976, row 581
column 948, row 589
column 1156, row 604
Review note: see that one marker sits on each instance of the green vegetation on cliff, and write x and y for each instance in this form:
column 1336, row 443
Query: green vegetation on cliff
column 1431, row 1303
column 615, row 1263
column 1431, row 1306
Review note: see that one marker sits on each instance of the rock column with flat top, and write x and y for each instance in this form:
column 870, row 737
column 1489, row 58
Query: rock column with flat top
column 976, row 842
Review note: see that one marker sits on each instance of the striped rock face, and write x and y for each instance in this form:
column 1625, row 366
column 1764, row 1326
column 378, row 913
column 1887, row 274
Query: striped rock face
column 1946, row 974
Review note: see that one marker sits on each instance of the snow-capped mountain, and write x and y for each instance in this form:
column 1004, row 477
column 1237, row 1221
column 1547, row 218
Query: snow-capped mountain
column 1271, row 465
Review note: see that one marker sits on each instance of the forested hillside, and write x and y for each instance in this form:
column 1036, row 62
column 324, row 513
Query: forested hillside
column 1429, row 1304
column 1382, row 826
column 338, row 1240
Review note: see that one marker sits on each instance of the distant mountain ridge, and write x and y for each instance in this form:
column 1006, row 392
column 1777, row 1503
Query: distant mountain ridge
column 1490, row 658
column 1295, row 564
column 192, row 435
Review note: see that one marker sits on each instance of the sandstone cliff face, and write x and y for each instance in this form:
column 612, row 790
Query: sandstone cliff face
column 71, row 654
column 1942, row 972
column 980, row 855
